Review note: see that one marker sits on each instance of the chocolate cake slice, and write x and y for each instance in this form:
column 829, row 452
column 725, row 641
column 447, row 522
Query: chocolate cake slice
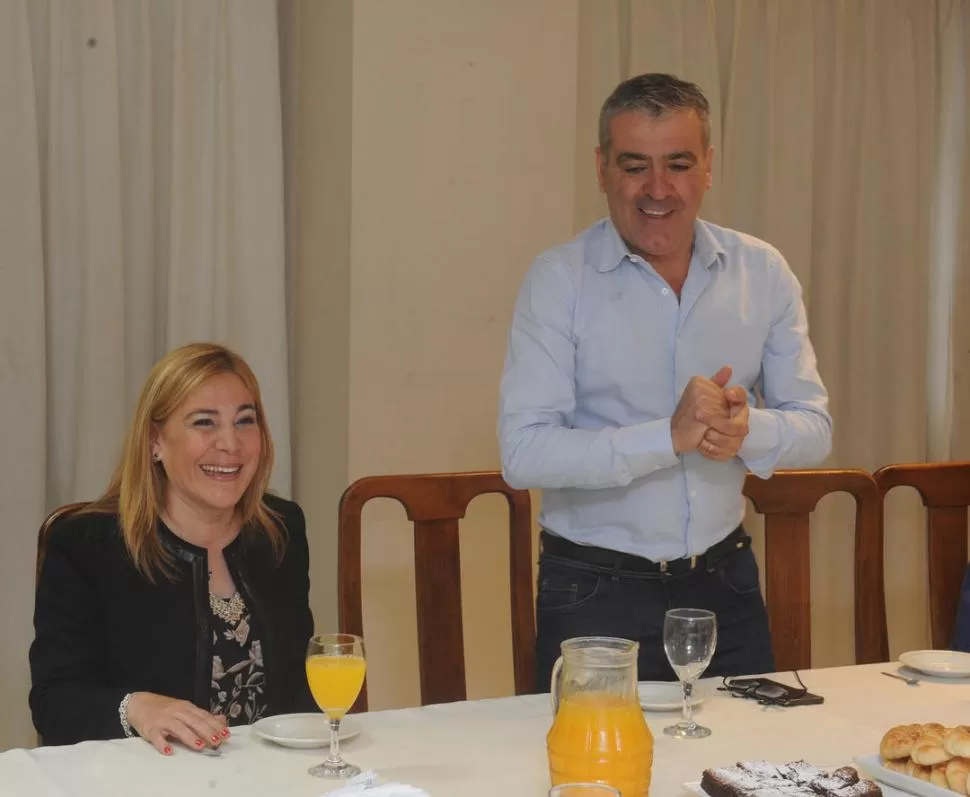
column 794, row 779
column 752, row 780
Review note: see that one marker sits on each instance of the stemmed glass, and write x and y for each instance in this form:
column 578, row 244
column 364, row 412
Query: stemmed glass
column 690, row 636
column 335, row 669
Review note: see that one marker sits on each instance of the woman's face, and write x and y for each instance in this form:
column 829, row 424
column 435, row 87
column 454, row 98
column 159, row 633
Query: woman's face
column 210, row 447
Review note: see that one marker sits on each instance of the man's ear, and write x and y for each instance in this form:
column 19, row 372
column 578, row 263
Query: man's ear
column 601, row 168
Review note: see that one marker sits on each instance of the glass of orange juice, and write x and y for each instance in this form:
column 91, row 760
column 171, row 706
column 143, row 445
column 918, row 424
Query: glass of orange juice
column 335, row 668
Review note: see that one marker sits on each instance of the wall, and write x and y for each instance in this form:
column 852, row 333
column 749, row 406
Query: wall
column 463, row 114
column 317, row 68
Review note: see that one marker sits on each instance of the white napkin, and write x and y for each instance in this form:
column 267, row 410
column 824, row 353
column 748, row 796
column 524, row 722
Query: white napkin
column 365, row 784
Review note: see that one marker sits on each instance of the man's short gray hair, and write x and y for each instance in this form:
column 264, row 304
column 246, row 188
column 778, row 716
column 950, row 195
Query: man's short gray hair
column 655, row 94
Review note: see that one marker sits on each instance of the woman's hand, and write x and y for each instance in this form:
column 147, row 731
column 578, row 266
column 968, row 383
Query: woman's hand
column 157, row 719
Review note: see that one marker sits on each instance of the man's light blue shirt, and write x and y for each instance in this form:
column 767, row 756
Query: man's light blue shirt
column 600, row 351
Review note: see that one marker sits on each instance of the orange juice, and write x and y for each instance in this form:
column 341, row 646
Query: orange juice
column 601, row 738
column 335, row 681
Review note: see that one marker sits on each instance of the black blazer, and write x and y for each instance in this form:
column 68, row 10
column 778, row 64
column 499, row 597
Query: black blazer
column 101, row 629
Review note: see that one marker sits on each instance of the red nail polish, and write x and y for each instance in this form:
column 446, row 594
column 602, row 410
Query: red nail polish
column 167, row 751
column 215, row 739
column 225, row 731
column 199, row 743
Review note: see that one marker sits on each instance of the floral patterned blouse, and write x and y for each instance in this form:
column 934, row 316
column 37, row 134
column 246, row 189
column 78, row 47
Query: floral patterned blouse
column 238, row 676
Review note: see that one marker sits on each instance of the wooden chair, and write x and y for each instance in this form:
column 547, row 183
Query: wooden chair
column 786, row 500
column 945, row 490
column 435, row 503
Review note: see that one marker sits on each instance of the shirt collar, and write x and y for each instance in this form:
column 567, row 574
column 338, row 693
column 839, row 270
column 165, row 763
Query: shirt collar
column 708, row 251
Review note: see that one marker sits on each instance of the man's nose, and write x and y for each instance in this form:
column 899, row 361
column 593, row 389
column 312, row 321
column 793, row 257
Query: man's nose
column 657, row 185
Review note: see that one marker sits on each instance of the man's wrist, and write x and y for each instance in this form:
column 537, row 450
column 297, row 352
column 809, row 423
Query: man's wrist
column 675, row 442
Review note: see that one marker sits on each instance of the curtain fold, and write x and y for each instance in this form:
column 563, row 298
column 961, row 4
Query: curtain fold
column 956, row 24
column 160, row 202
column 143, row 142
column 23, row 349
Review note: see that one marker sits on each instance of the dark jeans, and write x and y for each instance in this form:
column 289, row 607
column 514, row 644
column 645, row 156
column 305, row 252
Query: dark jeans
column 580, row 599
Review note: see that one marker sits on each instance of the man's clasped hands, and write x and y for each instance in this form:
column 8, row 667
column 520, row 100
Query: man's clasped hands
column 710, row 417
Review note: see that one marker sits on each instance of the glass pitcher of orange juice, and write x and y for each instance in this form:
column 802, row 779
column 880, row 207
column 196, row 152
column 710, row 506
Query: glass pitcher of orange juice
column 598, row 733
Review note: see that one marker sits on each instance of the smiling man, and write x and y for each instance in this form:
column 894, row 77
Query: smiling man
column 635, row 357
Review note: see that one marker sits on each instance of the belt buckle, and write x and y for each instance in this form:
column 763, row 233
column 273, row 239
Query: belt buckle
column 663, row 565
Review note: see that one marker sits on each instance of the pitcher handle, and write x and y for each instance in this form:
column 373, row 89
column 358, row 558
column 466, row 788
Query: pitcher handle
column 554, row 688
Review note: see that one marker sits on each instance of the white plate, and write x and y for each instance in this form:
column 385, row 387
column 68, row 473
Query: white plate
column 947, row 663
column 669, row 695
column 874, row 769
column 303, row 730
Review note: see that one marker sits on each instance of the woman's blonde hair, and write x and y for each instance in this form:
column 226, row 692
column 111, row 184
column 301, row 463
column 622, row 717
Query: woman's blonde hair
column 137, row 489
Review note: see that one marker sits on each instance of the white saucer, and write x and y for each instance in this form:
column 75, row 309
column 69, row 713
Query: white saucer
column 669, row 695
column 303, row 730
column 945, row 663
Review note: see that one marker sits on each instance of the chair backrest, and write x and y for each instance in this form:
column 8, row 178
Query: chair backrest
column 786, row 500
column 45, row 528
column 435, row 503
column 945, row 490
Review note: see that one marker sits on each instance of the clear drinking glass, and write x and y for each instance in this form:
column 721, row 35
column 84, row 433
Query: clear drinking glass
column 335, row 669
column 690, row 636
column 583, row 790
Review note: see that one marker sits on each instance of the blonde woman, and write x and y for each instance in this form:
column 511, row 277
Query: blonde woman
column 176, row 604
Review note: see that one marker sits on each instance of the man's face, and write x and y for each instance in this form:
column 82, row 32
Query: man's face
column 655, row 176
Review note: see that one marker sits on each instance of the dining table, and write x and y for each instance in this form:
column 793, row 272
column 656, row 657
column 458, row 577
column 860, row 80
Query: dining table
column 485, row 748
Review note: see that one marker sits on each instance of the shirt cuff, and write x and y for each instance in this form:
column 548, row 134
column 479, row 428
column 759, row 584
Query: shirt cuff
column 646, row 447
column 764, row 435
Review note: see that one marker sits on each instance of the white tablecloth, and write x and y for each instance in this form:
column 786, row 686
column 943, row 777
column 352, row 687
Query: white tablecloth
column 493, row 748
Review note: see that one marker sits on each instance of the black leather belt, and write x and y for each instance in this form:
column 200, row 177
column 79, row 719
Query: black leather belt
column 554, row 545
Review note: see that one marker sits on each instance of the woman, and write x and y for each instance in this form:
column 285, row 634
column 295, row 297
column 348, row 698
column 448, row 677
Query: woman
column 177, row 603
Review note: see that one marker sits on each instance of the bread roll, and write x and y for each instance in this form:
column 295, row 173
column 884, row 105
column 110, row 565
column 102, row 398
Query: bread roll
column 898, row 741
column 938, row 776
column 928, row 748
column 957, row 770
column 914, row 770
column 957, row 741
column 897, row 765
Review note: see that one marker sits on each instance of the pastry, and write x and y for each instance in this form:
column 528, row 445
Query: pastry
column 938, row 776
column 898, row 741
column 928, row 747
column 915, row 770
column 957, row 741
column 957, row 770
column 897, row 765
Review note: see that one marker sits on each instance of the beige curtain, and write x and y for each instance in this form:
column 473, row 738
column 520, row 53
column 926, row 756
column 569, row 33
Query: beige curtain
column 958, row 72
column 142, row 142
column 827, row 130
